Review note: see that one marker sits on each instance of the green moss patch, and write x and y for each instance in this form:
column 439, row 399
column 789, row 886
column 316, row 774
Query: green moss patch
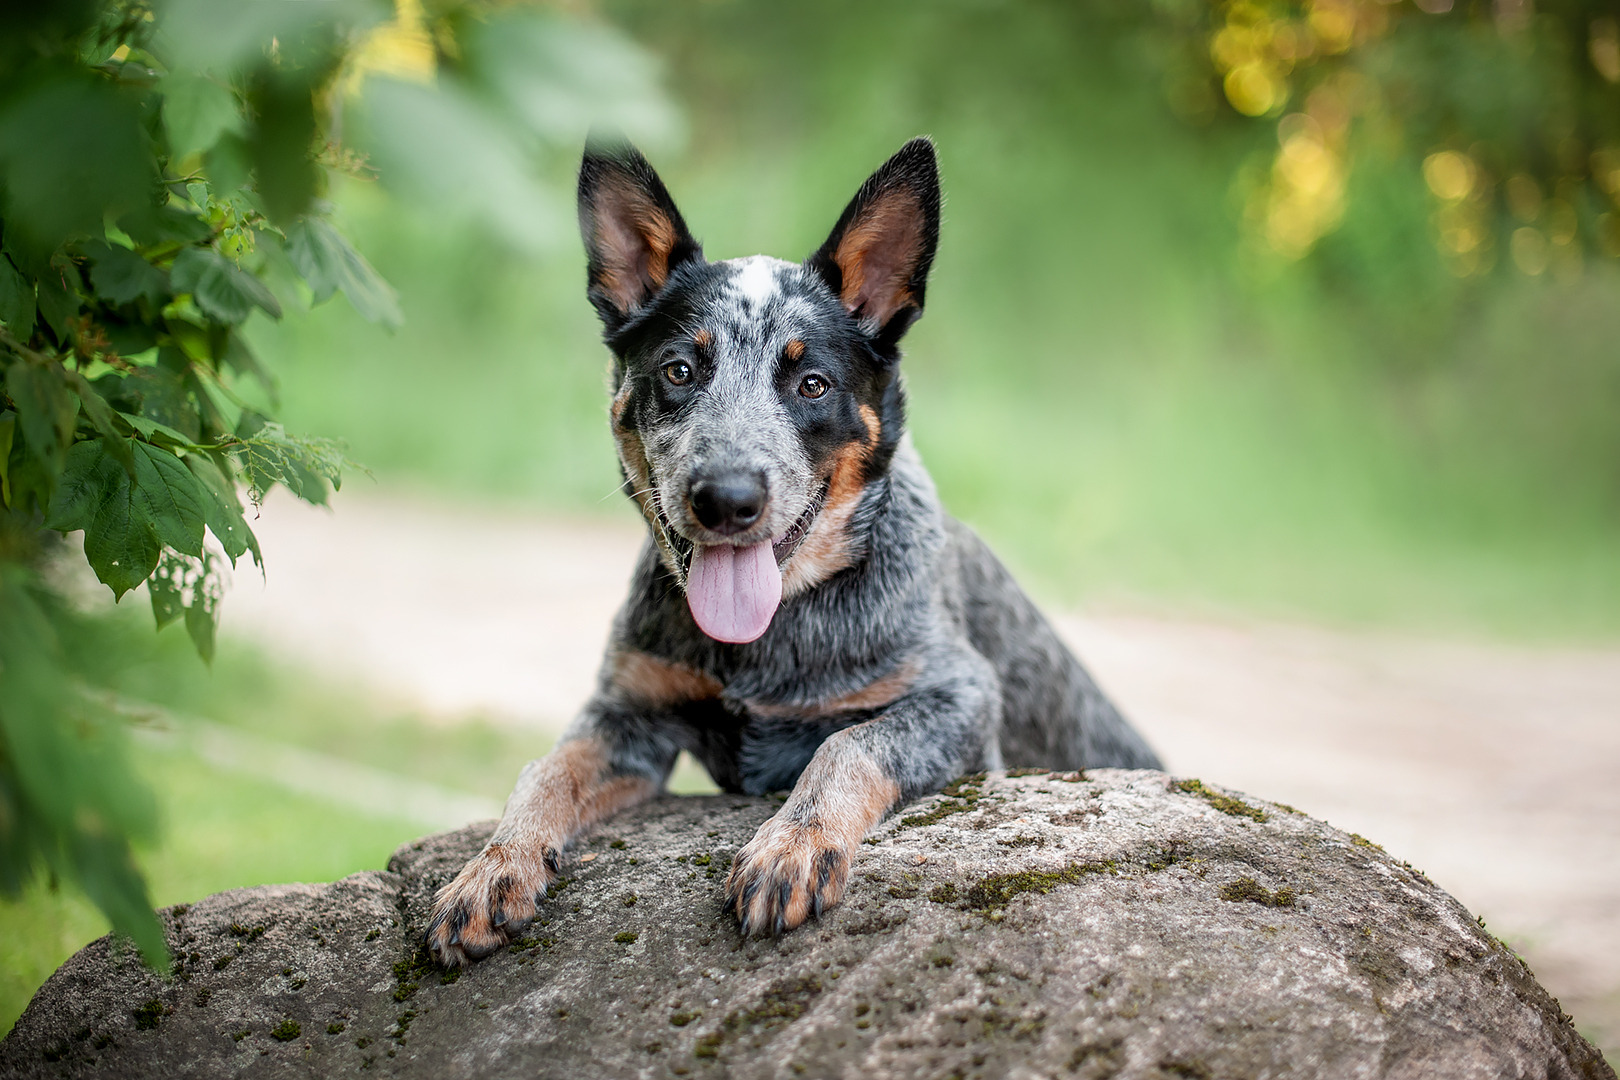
column 148, row 1015
column 286, row 1031
column 996, row 891
column 781, row 1005
column 959, row 797
column 1247, row 890
column 1224, row 803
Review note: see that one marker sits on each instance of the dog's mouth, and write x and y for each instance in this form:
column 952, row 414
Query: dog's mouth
column 733, row 590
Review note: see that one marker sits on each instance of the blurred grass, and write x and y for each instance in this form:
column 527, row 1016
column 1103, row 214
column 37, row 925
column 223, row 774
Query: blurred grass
column 229, row 829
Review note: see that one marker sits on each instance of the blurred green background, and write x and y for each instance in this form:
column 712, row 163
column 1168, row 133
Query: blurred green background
column 1135, row 400
column 1107, row 383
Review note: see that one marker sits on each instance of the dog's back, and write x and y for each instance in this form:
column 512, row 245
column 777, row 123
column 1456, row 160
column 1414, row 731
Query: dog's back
column 1052, row 714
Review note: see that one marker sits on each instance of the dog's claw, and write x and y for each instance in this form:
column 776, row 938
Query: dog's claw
column 784, row 876
column 489, row 903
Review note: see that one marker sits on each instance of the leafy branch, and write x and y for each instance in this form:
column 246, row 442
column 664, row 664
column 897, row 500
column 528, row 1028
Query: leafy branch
column 150, row 192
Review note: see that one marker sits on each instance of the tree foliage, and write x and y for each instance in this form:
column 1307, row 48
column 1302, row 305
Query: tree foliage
column 151, row 189
column 164, row 173
column 1496, row 120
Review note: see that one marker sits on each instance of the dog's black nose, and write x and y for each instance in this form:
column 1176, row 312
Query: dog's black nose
column 729, row 502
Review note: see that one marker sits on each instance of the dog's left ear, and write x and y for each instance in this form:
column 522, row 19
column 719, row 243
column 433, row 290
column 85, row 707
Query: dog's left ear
column 876, row 260
column 634, row 236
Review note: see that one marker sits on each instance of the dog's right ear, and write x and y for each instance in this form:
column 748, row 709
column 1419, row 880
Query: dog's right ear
column 634, row 237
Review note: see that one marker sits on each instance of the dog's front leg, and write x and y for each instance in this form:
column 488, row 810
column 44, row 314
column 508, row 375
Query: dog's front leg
column 797, row 864
column 593, row 772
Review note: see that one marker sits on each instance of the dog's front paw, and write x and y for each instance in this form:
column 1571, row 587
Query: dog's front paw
column 788, row 872
column 490, row 902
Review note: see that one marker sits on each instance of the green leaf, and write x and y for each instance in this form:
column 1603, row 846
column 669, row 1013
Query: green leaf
column 240, row 358
column 90, row 477
column 59, row 301
column 163, row 394
column 121, row 276
column 122, row 544
column 16, row 301
column 159, row 433
column 197, row 111
column 95, row 406
column 221, row 288
column 128, row 338
column 283, row 134
column 8, row 429
column 166, row 587
column 303, row 465
column 328, row 262
column 172, row 498
column 166, row 224
column 225, row 518
column 75, row 150
column 106, row 871
column 46, row 409
column 202, row 613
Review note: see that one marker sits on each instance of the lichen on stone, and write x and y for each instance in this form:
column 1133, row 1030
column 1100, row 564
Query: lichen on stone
column 1250, row 890
column 996, row 891
column 1224, row 803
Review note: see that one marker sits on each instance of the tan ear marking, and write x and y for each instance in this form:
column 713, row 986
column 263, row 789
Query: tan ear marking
column 876, row 256
column 635, row 239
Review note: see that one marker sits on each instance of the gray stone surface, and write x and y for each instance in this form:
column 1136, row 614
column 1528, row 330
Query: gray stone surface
column 1115, row 925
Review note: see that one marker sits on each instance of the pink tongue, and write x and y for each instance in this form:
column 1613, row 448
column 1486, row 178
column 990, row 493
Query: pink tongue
column 733, row 591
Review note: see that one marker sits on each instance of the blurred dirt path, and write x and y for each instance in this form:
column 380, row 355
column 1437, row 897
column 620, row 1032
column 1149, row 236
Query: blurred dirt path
column 1494, row 769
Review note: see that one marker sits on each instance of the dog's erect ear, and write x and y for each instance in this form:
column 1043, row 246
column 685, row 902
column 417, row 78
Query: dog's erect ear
column 878, row 255
column 633, row 234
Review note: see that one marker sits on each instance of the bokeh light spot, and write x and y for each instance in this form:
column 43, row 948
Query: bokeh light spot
column 1529, row 250
column 1253, row 90
column 1450, row 175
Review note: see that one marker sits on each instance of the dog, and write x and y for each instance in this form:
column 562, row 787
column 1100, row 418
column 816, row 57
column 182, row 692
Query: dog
column 803, row 614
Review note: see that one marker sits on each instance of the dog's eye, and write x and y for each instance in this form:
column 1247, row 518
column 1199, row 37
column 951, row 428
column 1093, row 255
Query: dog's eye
column 678, row 372
column 813, row 386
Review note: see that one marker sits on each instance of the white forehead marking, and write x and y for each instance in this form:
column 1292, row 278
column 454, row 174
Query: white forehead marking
column 756, row 278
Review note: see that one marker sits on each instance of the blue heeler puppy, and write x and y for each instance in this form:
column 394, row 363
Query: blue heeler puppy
column 803, row 615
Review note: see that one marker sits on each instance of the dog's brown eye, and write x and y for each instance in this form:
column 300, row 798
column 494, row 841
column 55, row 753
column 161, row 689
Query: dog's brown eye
column 678, row 372
column 813, row 386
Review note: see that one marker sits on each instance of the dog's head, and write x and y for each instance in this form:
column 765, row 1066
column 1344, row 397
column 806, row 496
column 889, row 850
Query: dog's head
column 754, row 398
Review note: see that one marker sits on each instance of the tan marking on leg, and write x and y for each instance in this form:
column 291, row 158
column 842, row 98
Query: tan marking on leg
column 648, row 680
column 874, row 695
column 494, row 897
column 826, row 550
column 797, row 864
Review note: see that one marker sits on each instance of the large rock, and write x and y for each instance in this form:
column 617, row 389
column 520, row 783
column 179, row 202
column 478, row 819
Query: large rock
column 1115, row 924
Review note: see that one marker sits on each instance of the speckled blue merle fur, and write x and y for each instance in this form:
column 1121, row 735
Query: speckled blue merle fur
column 758, row 402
